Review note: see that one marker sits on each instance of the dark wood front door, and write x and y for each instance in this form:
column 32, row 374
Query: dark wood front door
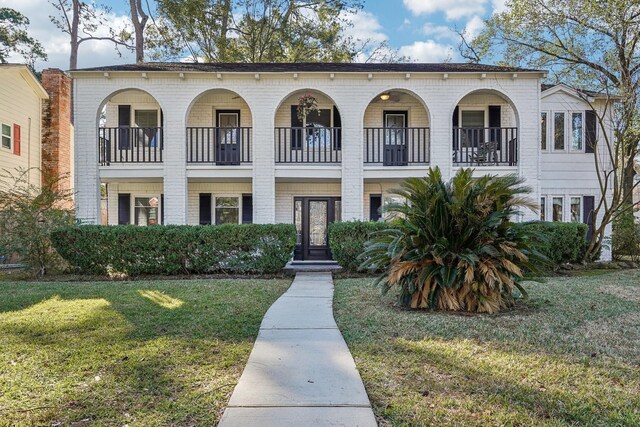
column 228, row 138
column 395, row 138
column 312, row 216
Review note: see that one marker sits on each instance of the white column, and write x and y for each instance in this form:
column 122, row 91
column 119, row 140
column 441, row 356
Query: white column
column 175, row 163
column 352, row 164
column 441, row 138
column 264, row 184
column 87, row 173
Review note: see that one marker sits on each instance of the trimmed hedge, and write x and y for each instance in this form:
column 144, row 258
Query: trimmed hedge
column 347, row 240
column 178, row 249
column 565, row 242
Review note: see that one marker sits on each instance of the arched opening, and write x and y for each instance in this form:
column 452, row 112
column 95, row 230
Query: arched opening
column 396, row 130
column 308, row 129
column 130, row 124
column 130, row 132
column 219, row 129
column 485, row 130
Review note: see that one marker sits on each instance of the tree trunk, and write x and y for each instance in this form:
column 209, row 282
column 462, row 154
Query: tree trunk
column 629, row 175
column 73, row 58
column 224, row 27
column 139, row 19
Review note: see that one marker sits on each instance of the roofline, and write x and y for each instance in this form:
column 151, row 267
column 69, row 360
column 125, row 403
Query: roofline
column 29, row 76
column 575, row 92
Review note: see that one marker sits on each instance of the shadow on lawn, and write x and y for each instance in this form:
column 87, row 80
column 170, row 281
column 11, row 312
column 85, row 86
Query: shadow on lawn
column 138, row 352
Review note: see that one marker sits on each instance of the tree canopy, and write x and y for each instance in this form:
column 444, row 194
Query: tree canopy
column 14, row 37
column 253, row 30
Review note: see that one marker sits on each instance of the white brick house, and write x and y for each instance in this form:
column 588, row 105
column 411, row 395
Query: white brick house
column 183, row 143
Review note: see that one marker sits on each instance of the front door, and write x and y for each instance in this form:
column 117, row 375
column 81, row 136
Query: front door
column 395, row 138
column 312, row 216
column 228, row 138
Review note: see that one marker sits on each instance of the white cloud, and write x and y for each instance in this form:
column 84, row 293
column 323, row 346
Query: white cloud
column 473, row 28
column 56, row 44
column 453, row 9
column 438, row 31
column 365, row 26
column 498, row 6
column 427, row 51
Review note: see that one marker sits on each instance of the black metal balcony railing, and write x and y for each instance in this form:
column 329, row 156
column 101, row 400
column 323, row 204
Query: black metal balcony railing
column 396, row 146
column 495, row 146
column 219, row 145
column 130, row 145
column 308, row 145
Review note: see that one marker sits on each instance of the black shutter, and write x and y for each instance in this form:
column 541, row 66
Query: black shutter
column 591, row 134
column 455, row 123
column 495, row 123
column 124, row 208
column 375, row 202
column 337, row 123
column 162, row 209
column 588, row 205
column 296, row 134
column 205, row 208
column 124, row 123
column 247, row 209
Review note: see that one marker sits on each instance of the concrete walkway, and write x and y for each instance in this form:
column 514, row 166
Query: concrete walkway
column 300, row 372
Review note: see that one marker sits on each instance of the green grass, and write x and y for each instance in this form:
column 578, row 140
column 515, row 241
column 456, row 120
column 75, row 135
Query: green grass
column 143, row 353
column 568, row 356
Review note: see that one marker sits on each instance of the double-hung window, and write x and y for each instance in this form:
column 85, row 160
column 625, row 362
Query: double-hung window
column 227, row 210
column 558, row 131
column 577, row 131
column 543, row 130
column 557, row 208
column 146, row 210
column 7, row 136
column 576, row 209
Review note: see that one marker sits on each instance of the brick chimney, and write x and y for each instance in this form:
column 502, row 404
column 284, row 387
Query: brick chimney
column 57, row 154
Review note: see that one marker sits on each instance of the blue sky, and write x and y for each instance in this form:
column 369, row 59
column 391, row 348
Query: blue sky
column 420, row 29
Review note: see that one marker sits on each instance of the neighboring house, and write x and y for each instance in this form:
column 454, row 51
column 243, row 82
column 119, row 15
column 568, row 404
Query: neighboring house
column 22, row 98
column 179, row 143
column 35, row 123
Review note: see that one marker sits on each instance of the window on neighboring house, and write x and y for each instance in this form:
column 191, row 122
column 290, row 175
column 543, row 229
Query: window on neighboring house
column 6, row 136
column 558, row 131
column 577, row 135
column 576, row 208
column 146, row 210
column 543, row 208
column 557, row 209
column 543, row 131
column 227, row 210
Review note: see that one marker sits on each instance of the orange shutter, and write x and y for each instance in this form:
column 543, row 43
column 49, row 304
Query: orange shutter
column 16, row 139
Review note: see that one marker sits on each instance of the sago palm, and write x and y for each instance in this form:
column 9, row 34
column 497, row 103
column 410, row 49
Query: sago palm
column 454, row 245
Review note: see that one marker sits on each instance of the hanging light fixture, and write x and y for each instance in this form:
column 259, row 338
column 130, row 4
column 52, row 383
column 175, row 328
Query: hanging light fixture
column 385, row 96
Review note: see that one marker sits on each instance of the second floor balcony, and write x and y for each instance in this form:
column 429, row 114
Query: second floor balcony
column 398, row 146
column 223, row 146
column 130, row 145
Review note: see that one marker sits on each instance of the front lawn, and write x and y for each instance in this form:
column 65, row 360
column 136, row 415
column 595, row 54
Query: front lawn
column 144, row 353
column 569, row 356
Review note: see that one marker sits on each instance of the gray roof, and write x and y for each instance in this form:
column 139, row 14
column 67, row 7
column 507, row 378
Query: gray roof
column 341, row 67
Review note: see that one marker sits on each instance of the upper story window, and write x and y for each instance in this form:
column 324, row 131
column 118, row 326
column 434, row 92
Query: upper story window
column 6, row 136
column 564, row 132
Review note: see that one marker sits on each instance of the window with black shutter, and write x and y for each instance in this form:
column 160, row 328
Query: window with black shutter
column 591, row 133
column 205, row 208
column 337, row 123
column 247, row 209
column 495, row 122
column 375, row 202
column 296, row 129
column 124, row 123
column 124, row 208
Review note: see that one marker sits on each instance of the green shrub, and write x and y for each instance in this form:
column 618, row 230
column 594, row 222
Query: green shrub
column 561, row 242
column 237, row 248
column 347, row 241
column 625, row 239
column 453, row 245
